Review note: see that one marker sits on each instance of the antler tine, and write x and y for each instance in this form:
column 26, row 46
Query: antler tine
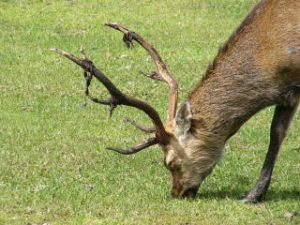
column 118, row 98
column 139, row 126
column 151, row 141
column 161, row 66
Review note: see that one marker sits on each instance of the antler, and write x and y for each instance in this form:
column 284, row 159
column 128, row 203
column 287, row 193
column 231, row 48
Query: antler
column 162, row 74
column 119, row 98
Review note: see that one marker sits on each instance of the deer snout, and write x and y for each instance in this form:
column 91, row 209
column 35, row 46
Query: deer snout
column 185, row 193
column 189, row 193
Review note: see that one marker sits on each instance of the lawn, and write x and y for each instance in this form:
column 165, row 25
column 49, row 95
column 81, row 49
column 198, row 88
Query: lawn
column 53, row 162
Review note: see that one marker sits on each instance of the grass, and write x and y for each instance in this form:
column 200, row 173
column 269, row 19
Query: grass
column 53, row 164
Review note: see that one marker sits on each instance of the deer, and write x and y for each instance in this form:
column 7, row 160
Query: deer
column 258, row 67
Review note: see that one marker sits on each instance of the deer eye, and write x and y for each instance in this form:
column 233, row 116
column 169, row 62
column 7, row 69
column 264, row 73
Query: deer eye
column 176, row 165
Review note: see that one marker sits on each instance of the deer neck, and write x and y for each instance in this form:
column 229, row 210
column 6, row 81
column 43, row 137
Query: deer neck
column 227, row 98
column 235, row 86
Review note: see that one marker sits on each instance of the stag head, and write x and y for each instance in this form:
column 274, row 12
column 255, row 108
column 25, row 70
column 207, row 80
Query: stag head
column 175, row 136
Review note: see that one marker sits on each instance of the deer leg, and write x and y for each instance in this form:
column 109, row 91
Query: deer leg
column 280, row 124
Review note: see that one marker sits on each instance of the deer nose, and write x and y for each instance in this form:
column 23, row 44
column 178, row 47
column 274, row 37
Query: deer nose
column 189, row 192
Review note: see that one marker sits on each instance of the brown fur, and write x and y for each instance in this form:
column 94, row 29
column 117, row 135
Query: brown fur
column 247, row 75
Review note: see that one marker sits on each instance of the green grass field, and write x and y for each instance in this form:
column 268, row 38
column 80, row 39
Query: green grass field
column 53, row 164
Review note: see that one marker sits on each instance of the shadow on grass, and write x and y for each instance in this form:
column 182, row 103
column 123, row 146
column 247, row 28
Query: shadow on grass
column 237, row 194
column 283, row 194
column 239, row 187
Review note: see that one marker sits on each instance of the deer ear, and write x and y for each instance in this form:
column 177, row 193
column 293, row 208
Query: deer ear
column 183, row 117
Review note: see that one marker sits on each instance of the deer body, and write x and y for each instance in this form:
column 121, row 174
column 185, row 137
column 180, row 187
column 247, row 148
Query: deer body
column 259, row 66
